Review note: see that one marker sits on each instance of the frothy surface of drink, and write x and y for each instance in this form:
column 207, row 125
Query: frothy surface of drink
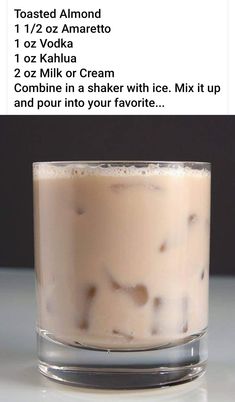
column 50, row 170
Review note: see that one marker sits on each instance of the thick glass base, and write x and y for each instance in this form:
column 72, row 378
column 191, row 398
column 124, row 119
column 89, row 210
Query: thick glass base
column 123, row 369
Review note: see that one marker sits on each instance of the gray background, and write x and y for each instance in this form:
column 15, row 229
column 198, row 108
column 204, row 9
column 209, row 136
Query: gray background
column 25, row 139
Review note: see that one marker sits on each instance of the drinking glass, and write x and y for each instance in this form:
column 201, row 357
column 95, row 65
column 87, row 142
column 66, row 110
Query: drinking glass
column 122, row 267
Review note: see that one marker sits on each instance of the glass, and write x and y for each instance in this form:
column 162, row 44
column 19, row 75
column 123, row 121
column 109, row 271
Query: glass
column 122, row 267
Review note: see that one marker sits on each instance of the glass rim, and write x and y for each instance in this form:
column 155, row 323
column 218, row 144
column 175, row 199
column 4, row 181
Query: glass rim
column 124, row 162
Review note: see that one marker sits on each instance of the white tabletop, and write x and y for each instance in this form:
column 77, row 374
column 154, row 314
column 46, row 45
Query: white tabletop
column 21, row 382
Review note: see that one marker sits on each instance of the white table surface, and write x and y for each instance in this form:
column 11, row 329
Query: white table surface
column 21, row 382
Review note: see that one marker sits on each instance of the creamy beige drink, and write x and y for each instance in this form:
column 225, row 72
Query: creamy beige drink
column 122, row 253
